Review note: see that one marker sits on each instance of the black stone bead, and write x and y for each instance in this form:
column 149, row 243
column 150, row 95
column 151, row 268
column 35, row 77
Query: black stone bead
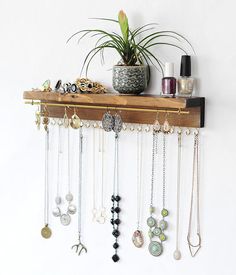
column 113, row 198
column 112, row 210
column 117, row 210
column 112, row 221
column 116, row 233
column 117, row 198
column 115, row 258
column 116, row 221
column 115, row 245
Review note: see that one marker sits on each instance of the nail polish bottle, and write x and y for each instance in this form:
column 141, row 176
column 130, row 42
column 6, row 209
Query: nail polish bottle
column 185, row 82
column 168, row 81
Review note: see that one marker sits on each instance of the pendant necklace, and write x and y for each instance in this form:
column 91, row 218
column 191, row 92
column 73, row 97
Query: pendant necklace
column 79, row 247
column 195, row 191
column 94, row 210
column 137, row 238
column 46, row 232
column 71, row 209
column 177, row 253
column 102, row 210
column 115, row 210
column 155, row 247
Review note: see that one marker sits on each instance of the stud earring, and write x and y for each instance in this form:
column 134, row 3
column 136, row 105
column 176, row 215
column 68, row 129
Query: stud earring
column 108, row 122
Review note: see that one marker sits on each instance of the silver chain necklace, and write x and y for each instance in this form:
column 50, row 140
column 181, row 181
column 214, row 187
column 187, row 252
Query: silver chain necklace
column 195, row 189
column 79, row 247
column 137, row 238
column 177, row 253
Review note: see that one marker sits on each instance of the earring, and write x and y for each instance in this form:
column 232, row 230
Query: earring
column 38, row 118
column 66, row 121
column 75, row 121
column 156, row 124
column 46, row 119
column 108, row 121
column 118, row 123
column 166, row 126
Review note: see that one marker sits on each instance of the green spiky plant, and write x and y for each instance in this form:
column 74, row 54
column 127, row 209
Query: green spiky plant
column 135, row 47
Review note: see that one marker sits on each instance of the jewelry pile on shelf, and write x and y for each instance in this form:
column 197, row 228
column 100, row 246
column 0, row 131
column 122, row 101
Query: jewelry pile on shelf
column 156, row 222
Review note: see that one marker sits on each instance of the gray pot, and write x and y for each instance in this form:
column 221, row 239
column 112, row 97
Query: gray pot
column 129, row 79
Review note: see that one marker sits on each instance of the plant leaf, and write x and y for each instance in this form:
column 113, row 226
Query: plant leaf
column 124, row 25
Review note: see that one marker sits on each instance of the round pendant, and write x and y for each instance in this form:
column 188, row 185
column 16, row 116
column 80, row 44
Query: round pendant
column 72, row 209
column 56, row 212
column 107, row 122
column 164, row 212
column 162, row 237
column 163, row 224
column 155, row 248
column 46, row 232
column 69, row 197
column 157, row 231
column 151, row 222
column 65, row 219
column 137, row 238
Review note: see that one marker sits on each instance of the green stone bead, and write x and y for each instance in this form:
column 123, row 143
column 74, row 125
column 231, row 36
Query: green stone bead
column 157, row 231
column 151, row 222
column 164, row 212
column 163, row 224
column 150, row 234
column 162, row 237
column 152, row 209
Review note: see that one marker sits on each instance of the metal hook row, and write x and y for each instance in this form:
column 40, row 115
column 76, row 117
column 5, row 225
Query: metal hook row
column 132, row 127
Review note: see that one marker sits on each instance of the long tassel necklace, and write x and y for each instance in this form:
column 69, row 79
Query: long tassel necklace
column 79, row 247
column 177, row 253
column 115, row 210
column 195, row 189
column 137, row 238
column 46, row 232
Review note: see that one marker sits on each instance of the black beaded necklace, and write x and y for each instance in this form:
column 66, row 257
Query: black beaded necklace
column 115, row 198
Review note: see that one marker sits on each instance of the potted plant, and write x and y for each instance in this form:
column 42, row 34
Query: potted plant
column 135, row 48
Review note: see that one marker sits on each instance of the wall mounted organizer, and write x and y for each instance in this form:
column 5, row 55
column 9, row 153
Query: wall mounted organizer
column 142, row 109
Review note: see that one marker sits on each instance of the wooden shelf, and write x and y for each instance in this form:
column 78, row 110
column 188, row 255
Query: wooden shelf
column 194, row 105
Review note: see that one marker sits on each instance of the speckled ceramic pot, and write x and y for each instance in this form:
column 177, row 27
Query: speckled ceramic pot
column 129, row 79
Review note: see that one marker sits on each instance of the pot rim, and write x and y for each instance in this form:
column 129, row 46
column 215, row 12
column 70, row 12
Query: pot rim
column 126, row 66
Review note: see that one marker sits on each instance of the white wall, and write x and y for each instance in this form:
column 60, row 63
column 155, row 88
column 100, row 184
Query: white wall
column 32, row 49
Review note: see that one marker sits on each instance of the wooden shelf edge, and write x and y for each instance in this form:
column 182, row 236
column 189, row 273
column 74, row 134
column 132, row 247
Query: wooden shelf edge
column 141, row 101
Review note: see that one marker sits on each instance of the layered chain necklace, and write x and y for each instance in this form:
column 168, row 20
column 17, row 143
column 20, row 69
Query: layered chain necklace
column 137, row 238
column 194, row 248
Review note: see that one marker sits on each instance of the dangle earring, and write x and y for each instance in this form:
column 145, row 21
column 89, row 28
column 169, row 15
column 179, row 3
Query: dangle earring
column 177, row 253
column 108, row 122
column 66, row 121
column 137, row 237
column 46, row 232
column 115, row 210
column 75, row 121
column 195, row 191
column 38, row 118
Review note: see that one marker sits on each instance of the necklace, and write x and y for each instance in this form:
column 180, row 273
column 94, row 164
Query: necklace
column 79, row 247
column 155, row 247
column 195, row 189
column 177, row 253
column 71, row 209
column 94, row 210
column 137, row 238
column 46, row 231
column 115, row 198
